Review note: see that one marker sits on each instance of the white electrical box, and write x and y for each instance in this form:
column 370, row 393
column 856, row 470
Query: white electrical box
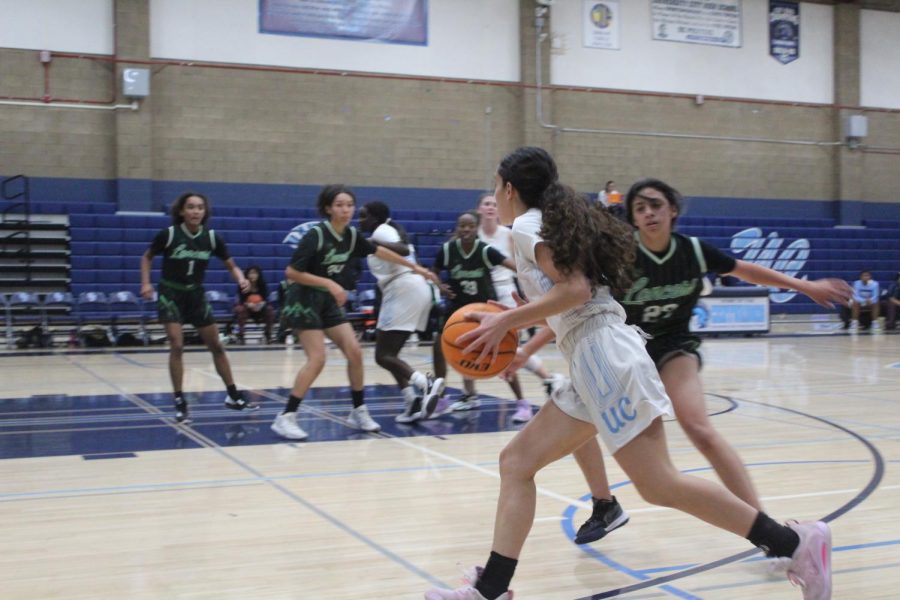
column 856, row 126
column 136, row 83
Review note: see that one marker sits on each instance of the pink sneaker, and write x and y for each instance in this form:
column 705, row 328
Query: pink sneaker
column 811, row 563
column 523, row 412
column 467, row 592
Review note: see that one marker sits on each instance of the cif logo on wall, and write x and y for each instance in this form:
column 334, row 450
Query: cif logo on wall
column 601, row 16
column 768, row 252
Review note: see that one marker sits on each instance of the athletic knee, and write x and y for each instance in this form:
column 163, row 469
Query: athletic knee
column 383, row 359
column 176, row 349
column 513, row 465
column 658, row 490
column 704, row 437
column 354, row 355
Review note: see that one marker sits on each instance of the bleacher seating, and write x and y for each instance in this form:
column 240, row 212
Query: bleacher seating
column 106, row 247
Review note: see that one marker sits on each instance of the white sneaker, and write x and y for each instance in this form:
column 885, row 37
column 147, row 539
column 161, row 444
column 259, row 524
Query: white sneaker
column 467, row 592
column 286, row 426
column 811, row 563
column 465, row 402
column 412, row 406
column 431, row 398
column 359, row 418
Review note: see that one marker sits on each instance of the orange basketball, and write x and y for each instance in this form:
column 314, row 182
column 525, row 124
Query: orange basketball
column 465, row 364
column 254, row 299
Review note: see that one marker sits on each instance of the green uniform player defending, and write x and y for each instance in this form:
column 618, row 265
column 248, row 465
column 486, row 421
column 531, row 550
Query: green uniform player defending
column 187, row 246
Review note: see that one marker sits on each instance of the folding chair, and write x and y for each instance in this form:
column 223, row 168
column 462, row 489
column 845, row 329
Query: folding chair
column 22, row 307
column 92, row 307
column 58, row 307
column 223, row 309
column 124, row 308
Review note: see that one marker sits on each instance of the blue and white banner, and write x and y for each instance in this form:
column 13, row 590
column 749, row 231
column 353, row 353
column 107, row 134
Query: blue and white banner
column 784, row 30
column 601, row 24
column 697, row 21
column 390, row 21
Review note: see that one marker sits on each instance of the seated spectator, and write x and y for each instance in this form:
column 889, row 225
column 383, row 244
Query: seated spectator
column 252, row 304
column 864, row 302
column 890, row 302
column 611, row 198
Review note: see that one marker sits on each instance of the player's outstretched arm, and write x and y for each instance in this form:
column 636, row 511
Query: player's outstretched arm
column 826, row 292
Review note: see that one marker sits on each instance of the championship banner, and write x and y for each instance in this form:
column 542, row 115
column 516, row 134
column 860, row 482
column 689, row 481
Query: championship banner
column 784, row 30
column 390, row 21
column 711, row 22
column 601, row 24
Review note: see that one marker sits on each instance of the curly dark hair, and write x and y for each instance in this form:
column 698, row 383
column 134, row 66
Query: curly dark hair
column 580, row 235
column 179, row 203
column 329, row 193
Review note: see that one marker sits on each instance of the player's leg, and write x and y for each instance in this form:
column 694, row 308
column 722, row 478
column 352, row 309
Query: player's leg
column 345, row 339
column 645, row 460
column 235, row 399
column 313, row 343
column 175, row 335
column 606, row 514
column 551, row 435
column 681, row 377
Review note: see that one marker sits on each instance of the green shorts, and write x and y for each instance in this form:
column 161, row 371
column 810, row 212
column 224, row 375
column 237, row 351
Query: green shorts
column 184, row 306
column 310, row 308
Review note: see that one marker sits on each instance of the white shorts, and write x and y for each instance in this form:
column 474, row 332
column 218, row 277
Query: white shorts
column 405, row 304
column 504, row 294
column 616, row 385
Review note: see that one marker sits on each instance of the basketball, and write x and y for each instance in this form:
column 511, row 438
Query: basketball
column 254, row 299
column 465, row 364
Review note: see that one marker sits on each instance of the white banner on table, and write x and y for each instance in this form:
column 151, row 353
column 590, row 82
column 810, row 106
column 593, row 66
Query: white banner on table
column 601, row 24
column 712, row 22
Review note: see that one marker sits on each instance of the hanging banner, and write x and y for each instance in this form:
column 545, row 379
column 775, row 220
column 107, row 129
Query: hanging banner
column 784, row 30
column 390, row 21
column 601, row 24
column 712, row 22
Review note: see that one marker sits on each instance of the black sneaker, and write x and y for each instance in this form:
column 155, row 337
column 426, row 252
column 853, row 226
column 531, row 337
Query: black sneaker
column 181, row 411
column 607, row 516
column 240, row 403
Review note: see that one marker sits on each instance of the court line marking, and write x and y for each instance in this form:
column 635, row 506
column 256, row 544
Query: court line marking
column 873, row 484
column 206, row 442
column 298, row 499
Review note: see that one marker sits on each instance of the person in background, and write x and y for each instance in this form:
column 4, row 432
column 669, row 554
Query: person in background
column 611, row 198
column 891, row 303
column 186, row 246
column 314, row 301
column 252, row 304
column 866, row 293
column 405, row 305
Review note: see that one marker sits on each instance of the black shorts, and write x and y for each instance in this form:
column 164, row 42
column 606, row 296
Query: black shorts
column 184, row 306
column 310, row 308
column 666, row 347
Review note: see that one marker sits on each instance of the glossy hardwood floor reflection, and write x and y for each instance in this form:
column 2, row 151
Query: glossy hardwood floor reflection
column 104, row 496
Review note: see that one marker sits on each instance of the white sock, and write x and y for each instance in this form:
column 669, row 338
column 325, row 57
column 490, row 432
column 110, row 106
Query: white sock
column 409, row 393
column 534, row 363
column 419, row 380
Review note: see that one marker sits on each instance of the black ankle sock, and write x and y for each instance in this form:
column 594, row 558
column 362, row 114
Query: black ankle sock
column 179, row 395
column 233, row 392
column 775, row 539
column 293, row 404
column 357, row 397
column 497, row 574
